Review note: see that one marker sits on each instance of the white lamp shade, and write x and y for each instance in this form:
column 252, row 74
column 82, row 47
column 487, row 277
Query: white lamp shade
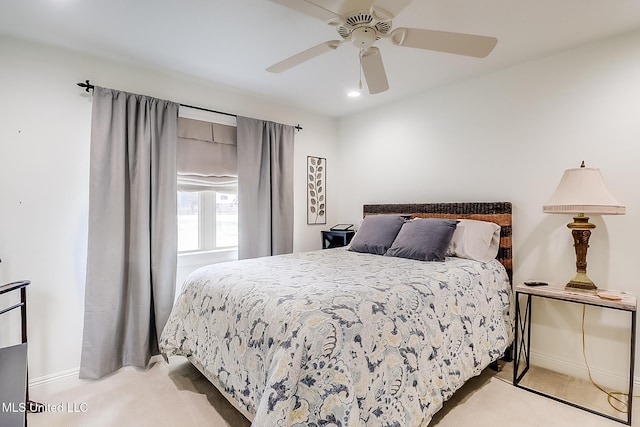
column 582, row 190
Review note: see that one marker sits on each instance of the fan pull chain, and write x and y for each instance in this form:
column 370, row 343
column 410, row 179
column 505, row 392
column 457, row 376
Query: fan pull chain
column 360, row 82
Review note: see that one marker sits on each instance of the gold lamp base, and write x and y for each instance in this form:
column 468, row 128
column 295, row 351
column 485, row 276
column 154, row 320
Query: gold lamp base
column 581, row 283
column 581, row 231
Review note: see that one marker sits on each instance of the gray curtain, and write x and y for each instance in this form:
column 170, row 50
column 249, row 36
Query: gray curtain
column 265, row 188
column 131, row 261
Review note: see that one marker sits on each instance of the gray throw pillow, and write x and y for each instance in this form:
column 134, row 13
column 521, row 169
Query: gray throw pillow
column 423, row 239
column 376, row 234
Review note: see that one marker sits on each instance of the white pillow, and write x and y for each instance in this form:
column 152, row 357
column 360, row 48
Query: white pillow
column 477, row 240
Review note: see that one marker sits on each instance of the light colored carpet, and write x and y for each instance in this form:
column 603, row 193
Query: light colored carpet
column 178, row 395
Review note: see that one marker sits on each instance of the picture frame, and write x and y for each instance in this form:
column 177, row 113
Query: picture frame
column 316, row 190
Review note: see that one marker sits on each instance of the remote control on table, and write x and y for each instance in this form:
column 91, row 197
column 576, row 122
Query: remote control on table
column 535, row 283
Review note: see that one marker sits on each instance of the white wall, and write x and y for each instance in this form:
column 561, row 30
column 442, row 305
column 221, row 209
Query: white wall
column 44, row 179
column 509, row 136
column 504, row 136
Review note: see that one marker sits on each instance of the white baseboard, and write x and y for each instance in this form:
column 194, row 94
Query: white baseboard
column 579, row 370
column 63, row 380
column 57, row 381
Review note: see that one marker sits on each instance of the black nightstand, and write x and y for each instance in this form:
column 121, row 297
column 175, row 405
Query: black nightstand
column 14, row 393
column 336, row 239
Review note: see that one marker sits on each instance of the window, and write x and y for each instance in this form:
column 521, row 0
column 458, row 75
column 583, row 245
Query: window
column 207, row 184
column 207, row 220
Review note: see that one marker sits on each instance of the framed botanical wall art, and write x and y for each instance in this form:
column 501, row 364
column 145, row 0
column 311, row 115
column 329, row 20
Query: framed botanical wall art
column 316, row 190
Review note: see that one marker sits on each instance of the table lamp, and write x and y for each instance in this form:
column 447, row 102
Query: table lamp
column 582, row 191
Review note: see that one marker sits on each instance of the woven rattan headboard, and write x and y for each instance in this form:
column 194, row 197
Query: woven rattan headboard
column 498, row 212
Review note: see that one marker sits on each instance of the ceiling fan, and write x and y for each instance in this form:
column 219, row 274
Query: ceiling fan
column 363, row 22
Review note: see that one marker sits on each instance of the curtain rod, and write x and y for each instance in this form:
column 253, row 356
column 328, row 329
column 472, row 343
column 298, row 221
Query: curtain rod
column 88, row 86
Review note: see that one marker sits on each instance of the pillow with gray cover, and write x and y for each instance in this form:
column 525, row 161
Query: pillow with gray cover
column 376, row 234
column 423, row 239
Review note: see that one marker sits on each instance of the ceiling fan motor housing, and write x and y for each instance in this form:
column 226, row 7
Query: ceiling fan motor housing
column 361, row 27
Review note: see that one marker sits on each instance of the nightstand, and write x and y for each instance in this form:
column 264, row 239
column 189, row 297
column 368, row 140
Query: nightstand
column 336, row 239
column 627, row 303
column 14, row 392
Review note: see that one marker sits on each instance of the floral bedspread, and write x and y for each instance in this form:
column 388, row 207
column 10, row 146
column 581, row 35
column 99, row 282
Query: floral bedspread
column 334, row 337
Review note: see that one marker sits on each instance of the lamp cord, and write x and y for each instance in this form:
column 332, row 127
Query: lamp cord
column 612, row 398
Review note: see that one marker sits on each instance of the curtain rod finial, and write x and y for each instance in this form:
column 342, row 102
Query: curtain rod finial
column 86, row 85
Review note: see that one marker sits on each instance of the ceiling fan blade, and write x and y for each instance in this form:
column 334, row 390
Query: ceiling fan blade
column 443, row 41
column 347, row 7
column 373, row 69
column 392, row 6
column 309, row 8
column 303, row 56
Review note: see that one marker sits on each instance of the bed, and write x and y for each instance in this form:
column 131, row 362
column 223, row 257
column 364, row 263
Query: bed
column 345, row 338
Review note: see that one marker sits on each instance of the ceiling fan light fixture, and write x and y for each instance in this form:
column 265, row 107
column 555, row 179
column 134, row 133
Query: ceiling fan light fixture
column 353, row 93
column 363, row 37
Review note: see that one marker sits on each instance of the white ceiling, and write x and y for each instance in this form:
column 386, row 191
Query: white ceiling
column 231, row 42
